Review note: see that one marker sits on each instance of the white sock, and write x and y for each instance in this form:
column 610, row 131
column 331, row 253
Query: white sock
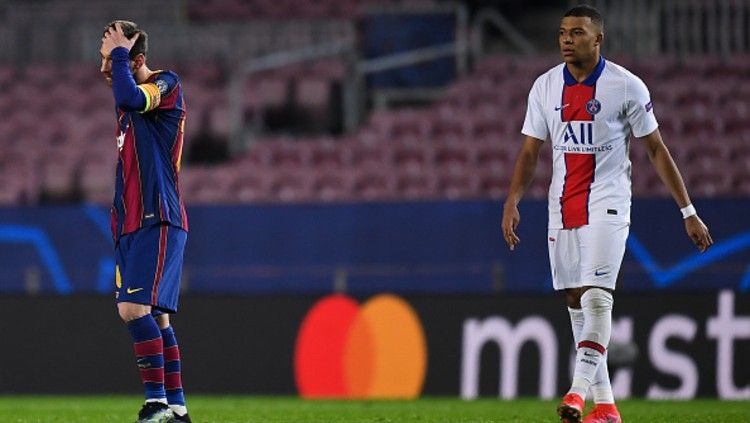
column 179, row 410
column 576, row 322
column 596, row 305
column 161, row 400
column 601, row 388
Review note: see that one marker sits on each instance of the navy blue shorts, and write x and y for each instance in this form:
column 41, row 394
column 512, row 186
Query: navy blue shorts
column 149, row 266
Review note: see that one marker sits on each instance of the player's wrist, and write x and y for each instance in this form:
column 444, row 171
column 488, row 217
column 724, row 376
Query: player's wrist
column 688, row 211
column 120, row 52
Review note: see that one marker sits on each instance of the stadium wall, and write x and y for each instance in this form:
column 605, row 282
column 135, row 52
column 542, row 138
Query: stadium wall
column 408, row 248
column 679, row 345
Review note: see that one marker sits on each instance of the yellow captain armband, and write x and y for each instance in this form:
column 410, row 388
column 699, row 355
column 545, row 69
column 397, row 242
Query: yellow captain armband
column 153, row 96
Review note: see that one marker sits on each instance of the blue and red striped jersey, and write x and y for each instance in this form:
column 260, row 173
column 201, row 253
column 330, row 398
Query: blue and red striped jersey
column 150, row 127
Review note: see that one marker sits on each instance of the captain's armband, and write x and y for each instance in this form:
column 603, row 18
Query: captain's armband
column 153, row 96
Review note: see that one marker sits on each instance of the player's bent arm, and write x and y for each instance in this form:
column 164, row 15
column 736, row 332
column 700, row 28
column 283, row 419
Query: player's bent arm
column 128, row 95
column 523, row 172
column 670, row 175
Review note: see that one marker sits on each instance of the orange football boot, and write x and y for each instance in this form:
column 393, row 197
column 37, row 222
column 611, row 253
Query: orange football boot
column 570, row 409
column 603, row 413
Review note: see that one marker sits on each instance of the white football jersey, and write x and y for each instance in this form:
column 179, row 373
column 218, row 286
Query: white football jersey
column 589, row 124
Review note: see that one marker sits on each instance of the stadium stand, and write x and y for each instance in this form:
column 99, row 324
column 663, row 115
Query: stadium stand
column 462, row 146
column 459, row 147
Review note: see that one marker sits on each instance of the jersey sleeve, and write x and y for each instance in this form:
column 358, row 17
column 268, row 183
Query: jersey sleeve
column 640, row 109
column 155, row 90
column 535, row 125
column 127, row 95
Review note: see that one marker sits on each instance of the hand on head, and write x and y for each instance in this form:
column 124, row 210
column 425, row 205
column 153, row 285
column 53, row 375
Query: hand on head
column 114, row 37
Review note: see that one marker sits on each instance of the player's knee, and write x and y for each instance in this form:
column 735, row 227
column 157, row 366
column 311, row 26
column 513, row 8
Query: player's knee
column 130, row 311
column 573, row 297
column 597, row 300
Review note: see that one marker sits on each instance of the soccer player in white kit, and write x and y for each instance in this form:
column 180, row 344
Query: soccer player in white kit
column 588, row 108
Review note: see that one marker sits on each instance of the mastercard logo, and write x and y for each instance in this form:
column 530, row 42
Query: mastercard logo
column 373, row 350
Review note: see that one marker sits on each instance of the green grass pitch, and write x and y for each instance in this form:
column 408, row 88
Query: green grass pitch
column 236, row 409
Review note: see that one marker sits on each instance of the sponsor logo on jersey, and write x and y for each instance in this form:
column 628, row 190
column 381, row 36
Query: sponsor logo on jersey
column 582, row 133
column 120, row 140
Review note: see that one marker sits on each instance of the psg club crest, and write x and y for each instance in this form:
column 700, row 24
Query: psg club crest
column 593, row 106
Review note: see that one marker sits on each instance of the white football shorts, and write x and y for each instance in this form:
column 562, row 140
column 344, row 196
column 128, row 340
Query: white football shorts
column 589, row 255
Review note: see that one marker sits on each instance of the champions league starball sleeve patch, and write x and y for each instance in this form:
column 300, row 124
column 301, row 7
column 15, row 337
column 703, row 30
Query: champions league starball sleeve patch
column 162, row 86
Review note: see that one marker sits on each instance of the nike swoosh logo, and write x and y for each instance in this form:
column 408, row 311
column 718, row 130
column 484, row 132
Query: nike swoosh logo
column 600, row 274
column 588, row 354
column 131, row 290
column 557, row 108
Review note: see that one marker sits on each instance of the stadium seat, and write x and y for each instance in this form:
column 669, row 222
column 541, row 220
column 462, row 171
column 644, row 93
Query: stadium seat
column 417, row 186
column 492, row 185
column 494, row 158
column 374, row 185
column 329, row 155
column 709, row 183
column 292, row 186
column 332, row 186
column 251, row 188
column 454, row 156
column 459, row 185
column 412, row 157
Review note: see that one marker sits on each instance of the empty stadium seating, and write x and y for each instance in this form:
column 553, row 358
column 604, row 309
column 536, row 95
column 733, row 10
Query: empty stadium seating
column 57, row 138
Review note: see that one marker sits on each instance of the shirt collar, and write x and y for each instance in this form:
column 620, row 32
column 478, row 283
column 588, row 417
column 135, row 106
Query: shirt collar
column 591, row 80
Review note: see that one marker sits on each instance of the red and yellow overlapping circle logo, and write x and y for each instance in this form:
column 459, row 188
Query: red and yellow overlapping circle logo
column 376, row 350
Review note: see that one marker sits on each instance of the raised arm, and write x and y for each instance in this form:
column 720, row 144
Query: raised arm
column 523, row 174
column 128, row 94
column 670, row 175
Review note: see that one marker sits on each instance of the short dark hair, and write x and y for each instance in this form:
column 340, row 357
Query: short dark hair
column 130, row 28
column 584, row 10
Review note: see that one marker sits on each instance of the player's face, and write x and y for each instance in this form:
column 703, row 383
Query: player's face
column 106, row 67
column 579, row 39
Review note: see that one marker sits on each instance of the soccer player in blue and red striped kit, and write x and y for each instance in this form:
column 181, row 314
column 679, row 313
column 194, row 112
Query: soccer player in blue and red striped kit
column 149, row 224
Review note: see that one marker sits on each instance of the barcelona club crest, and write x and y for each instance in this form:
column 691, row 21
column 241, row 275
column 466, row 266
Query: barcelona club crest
column 593, row 106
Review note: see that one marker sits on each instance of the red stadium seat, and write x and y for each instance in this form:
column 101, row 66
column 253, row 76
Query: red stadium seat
column 493, row 185
column 369, row 156
column 293, row 186
column 417, row 186
column 329, row 155
column 333, row 186
column 371, row 185
column 708, row 184
column 290, row 154
column 494, row 158
column 459, row 186
column 251, row 188
column 455, row 156
column 412, row 157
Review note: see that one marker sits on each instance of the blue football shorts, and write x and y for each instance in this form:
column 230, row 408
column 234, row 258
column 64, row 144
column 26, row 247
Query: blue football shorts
column 149, row 267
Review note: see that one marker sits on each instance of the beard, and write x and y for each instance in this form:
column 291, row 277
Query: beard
column 108, row 77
